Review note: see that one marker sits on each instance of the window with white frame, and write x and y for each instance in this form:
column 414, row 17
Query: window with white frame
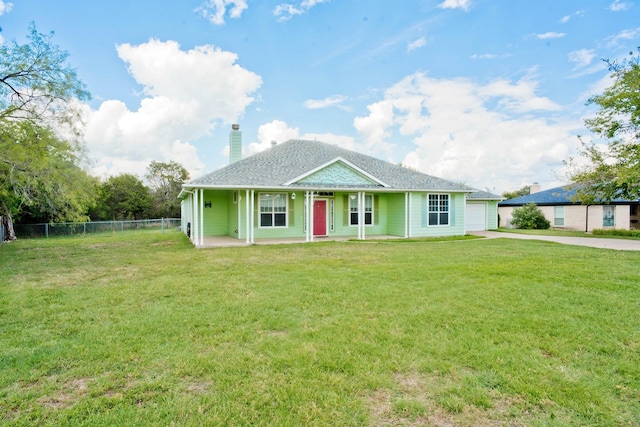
column 608, row 216
column 273, row 209
column 438, row 205
column 558, row 216
column 353, row 209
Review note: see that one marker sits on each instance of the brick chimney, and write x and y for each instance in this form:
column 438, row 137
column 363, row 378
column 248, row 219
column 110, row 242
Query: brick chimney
column 235, row 144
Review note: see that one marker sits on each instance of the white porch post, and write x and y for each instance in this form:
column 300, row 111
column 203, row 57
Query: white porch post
column 194, row 223
column 201, row 216
column 307, row 216
column 253, row 210
column 247, row 219
column 311, row 216
column 360, row 215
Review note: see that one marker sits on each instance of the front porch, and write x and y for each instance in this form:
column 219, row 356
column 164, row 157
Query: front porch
column 228, row 241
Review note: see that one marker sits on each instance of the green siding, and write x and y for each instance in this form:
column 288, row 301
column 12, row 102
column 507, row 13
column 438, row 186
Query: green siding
column 395, row 214
column 216, row 217
column 492, row 215
column 419, row 226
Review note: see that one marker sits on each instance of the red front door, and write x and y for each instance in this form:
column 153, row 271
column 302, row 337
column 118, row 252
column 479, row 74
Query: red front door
column 319, row 217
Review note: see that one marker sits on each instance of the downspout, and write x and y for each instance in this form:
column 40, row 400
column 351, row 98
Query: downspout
column 586, row 225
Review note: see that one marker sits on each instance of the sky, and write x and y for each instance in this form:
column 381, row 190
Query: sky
column 488, row 93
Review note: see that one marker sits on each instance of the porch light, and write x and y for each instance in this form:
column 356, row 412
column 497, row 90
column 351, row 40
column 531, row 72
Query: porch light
column 353, row 196
column 293, row 196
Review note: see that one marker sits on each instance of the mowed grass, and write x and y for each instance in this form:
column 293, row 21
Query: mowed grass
column 142, row 329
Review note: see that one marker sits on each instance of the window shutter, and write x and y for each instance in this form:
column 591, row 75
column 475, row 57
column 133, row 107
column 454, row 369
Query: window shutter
column 256, row 210
column 452, row 211
column 424, row 207
column 376, row 216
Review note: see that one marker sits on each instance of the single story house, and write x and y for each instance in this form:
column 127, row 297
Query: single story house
column 563, row 213
column 308, row 190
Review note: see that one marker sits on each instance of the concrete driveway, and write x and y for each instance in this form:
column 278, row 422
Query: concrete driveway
column 616, row 244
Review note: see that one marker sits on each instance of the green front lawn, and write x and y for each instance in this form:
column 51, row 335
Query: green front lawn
column 142, row 329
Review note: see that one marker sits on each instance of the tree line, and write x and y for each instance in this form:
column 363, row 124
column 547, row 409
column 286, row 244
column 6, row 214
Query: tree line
column 43, row 166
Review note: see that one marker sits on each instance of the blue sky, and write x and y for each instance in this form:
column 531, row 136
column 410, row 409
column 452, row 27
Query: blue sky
column 484, row 92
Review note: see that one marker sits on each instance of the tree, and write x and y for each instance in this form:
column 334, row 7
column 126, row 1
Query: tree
column 529, row 217
column 122, row 197
column 36, row 82
column 614, row 171
column 39, row 175
column 37, row 92
column 165, row 181
column 524, row 191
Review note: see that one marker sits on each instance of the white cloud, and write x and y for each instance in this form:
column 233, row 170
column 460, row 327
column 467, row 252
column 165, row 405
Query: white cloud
column 623, row 36
column 582, row 57
column 280, row 132
column 549, row 35
column 495, row 134
column 489, row 56
column 215, row 10
column 331, row 101
column 619, row 6
column 567, row 18
column 455, row 4
column 5, row 7
column 416, row 44
column 186, row 92
column 286, row 11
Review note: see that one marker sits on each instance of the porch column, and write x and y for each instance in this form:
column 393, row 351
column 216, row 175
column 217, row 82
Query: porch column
column 361, row 216
column 307, row 216
column 194, row 222
column 201, row 216
column 250, row 228
column 247, row 210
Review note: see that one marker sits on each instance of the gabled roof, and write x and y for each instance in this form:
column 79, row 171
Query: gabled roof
column 294, row 164
column 551, row 197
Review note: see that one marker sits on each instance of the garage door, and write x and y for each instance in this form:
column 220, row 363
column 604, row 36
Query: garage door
column 476, row 217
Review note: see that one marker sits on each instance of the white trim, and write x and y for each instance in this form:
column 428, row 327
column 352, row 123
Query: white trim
column 329, row 163
column 336, row 189
column 286, row 211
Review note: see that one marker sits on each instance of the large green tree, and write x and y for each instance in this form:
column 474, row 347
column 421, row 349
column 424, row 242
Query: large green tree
column 165, row 181
column 39, row 169
column 613, row 170
column 40, row 176
column 122, row 197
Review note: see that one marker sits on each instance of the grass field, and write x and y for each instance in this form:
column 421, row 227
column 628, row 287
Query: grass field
column 142, row 329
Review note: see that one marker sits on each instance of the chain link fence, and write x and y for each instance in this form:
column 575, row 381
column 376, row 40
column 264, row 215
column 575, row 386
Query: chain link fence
column 31, row 231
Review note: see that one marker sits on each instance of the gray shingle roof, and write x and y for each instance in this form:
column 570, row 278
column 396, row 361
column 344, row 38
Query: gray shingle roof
column 287, row 161
column 483, row 195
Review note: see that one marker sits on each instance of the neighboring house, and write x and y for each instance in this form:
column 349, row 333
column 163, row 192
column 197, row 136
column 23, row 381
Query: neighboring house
column 563, row 213
column 306, row 190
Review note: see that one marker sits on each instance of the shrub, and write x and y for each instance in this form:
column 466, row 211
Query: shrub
column 530, row 217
